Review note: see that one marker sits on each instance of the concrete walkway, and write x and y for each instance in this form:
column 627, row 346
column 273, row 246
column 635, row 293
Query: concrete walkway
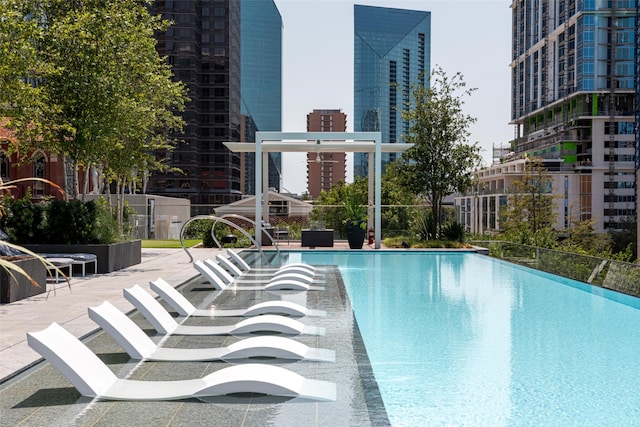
column 68, row 306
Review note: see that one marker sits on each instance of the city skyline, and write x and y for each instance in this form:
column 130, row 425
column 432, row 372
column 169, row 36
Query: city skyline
column 318, row 64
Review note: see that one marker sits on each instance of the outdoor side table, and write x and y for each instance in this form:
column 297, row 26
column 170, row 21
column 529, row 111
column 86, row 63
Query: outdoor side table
column 60, row 263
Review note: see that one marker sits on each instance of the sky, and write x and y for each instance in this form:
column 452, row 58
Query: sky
column 472, row 37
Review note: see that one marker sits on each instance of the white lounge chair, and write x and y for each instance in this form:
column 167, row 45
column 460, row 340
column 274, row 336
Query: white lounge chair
column 164, row 323
column 140, row 346
column 233, row 268
column 93, row 378
column 286, row 281
column 237, row 276
column 244, row 270
column 210, row 275
column 184, row 307
column 214, row 273
column 246, row 267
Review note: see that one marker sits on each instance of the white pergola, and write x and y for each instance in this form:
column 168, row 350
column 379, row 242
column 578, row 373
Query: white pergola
column 318, row 142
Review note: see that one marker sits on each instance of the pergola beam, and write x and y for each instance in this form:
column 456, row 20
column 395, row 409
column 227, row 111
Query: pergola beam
column 317, row 142
column 312, row 147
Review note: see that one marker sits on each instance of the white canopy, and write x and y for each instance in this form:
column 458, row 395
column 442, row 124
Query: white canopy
column 320, row 142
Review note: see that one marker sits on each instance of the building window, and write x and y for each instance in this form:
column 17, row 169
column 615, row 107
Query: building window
column 279, row 208
column 4, row 167
column 618, row 184
column 585, row 197
column 39, row 171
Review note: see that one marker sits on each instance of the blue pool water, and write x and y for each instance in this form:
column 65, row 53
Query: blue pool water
column 463, row 339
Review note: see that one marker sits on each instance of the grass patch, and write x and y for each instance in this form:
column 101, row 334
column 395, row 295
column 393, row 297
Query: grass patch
column 169, row 243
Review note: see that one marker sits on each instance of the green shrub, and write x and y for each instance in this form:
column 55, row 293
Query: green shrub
column 421, row 224
column 453, row 231
column 105, row 227
column 196, row 229
column 70, row 222
column 409, row 242
column 207, row 239
column 23, row 220
column 58, row 222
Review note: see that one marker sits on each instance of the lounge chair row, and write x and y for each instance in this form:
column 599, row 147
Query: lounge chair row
column 94, row 379
column 223, row 274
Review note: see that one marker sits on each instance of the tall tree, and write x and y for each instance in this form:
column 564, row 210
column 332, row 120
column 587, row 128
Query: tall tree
column 398, row 205
column 20, row 64
column 108, row 91
column 529, row 216
column 442, row 160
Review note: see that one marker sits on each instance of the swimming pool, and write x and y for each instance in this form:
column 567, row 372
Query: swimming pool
column 464, row 339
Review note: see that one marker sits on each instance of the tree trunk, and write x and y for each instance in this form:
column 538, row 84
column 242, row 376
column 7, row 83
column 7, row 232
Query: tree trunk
column 74, row 180
column 435, row 214
column 66, row 176
column 85, row 187
column 122, row 182
column 436, row 202
column 107, row 192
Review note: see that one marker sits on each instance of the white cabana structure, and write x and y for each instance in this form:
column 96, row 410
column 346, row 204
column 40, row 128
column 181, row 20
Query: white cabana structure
column 318, row 142
column 246, row 207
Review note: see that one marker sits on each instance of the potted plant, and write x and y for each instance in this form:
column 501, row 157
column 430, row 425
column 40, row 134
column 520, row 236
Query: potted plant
column 355, row 219
column 22, row 272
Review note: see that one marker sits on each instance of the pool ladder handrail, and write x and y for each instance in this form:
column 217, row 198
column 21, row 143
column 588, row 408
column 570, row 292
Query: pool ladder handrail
column 223, row 219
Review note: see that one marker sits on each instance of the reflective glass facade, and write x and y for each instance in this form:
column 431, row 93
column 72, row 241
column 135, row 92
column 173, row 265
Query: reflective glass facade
column 392, row 51
column 203, row 47
column 261, row 80
column 566, row 46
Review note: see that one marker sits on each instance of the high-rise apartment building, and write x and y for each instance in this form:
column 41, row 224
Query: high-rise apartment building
column 637, row 86
column 203, row 47
column 574, row 74
column 324, row 170
column 229, row 54
column 260, row 82
column 392, row 51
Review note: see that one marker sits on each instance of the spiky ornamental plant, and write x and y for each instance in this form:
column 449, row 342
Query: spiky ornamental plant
column 11, row 268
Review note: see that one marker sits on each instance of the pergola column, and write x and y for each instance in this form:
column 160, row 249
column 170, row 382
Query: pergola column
column 326, row 142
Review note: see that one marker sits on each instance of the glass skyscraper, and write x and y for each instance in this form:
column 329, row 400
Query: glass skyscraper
column 392, row 52
column 261, row 80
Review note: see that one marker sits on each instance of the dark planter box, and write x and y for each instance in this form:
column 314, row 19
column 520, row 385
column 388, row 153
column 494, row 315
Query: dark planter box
column 19, row 287
column 111, row 257
column 322, row 238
